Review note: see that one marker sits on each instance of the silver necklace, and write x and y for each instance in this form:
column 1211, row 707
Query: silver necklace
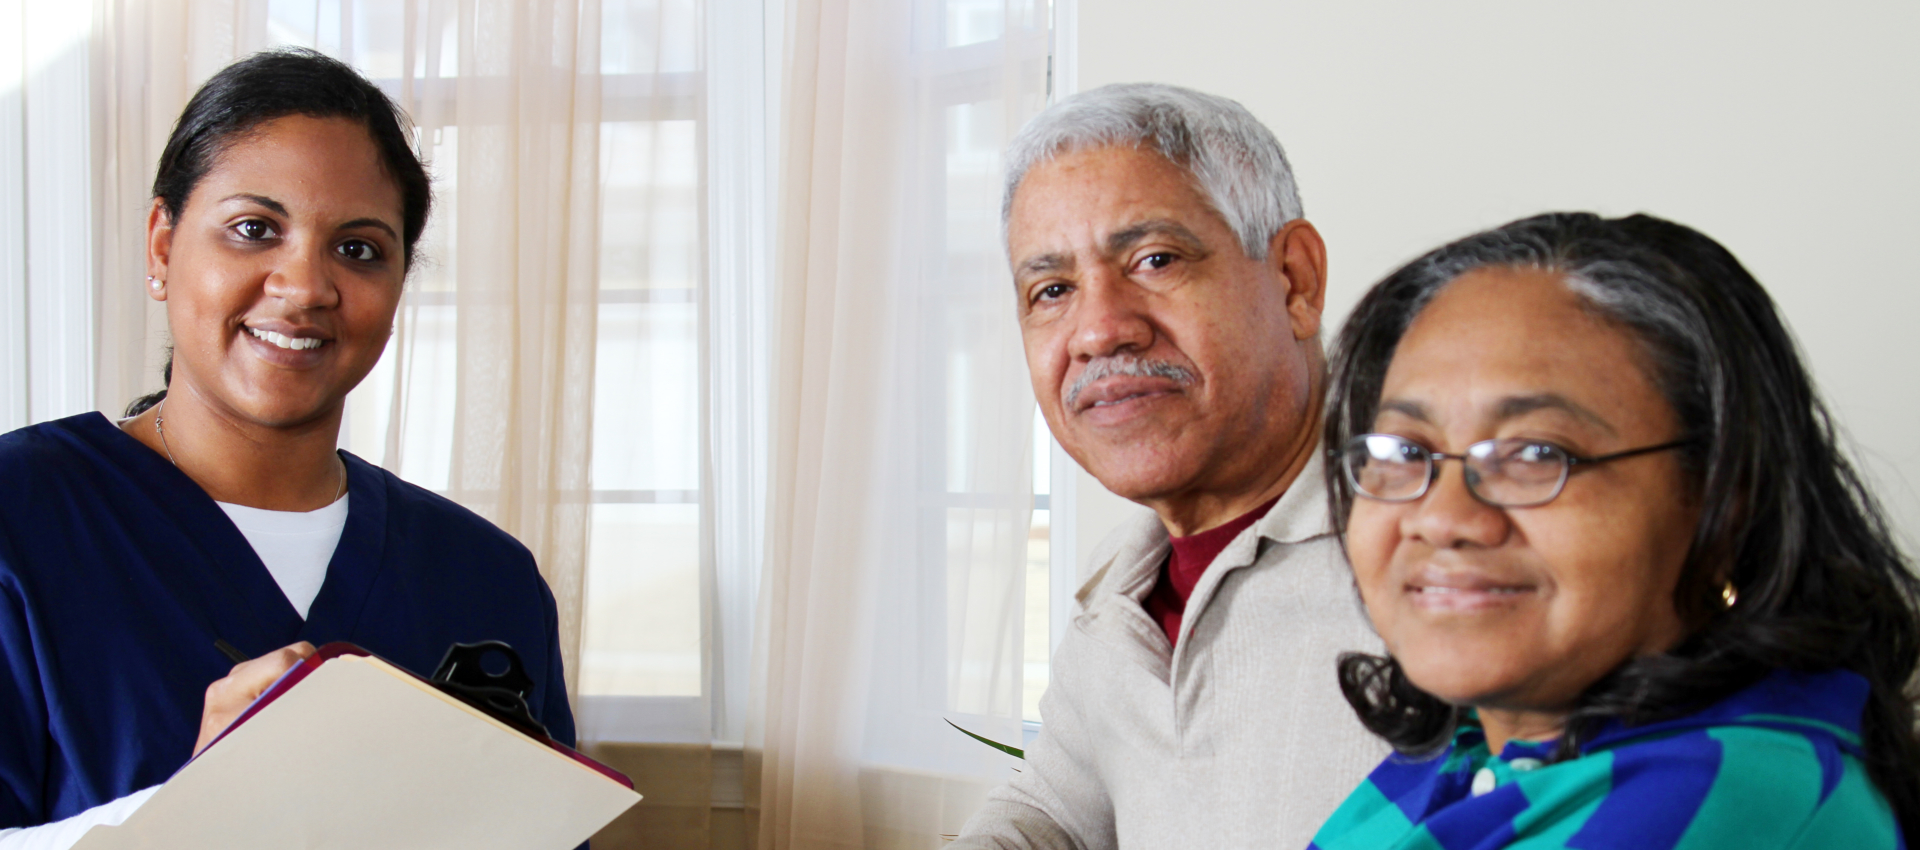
column 159, row 420
column 159, row 427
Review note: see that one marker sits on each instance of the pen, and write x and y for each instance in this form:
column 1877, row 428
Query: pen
column 230, row 651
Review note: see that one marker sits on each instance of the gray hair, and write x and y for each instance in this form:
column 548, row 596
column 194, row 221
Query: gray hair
column 1234, row 159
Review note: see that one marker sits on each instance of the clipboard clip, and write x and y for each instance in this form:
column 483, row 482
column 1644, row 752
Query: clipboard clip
column 463, row 675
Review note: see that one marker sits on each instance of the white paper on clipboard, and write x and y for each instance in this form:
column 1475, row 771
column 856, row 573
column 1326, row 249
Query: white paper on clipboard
column 360, row 755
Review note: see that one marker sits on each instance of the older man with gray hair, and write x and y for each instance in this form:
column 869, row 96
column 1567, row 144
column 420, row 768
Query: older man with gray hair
column 1169, row 301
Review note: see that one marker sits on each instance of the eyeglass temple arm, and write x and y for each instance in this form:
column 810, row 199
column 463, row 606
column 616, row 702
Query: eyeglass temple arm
column 1573, row 460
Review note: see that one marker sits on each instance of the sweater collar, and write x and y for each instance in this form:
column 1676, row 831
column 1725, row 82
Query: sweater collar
column 1829, row 704
column 1300, row 515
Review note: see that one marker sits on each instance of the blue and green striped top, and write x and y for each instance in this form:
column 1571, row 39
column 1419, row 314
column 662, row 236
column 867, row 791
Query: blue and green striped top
column 1776, row 765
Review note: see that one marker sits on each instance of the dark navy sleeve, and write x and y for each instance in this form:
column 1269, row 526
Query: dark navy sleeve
column 23, row 715
column 556, row 714
column 109, row 606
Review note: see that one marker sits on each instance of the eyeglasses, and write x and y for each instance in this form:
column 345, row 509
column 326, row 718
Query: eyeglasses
column 1509, row 473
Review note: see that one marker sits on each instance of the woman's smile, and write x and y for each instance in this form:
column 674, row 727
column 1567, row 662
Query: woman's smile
column 1456, row 590
column 296, row 343
column 286, row 345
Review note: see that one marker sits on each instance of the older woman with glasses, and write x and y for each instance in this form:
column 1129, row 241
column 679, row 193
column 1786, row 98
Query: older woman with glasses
column 1632, row 593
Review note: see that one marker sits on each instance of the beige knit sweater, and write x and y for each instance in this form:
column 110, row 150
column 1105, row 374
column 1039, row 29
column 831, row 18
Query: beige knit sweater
column 1237, row 738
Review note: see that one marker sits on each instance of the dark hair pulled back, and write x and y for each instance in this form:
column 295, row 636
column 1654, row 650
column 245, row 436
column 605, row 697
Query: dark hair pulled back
column 1784, row 516
column 275, row 84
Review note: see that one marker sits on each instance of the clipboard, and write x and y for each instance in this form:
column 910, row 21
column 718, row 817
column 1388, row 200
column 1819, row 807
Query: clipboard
column 348, row 750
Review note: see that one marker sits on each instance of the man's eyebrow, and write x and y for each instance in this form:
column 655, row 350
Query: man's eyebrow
column 1517, row 406
column 262, row 200
column 1045, row 264
column 1120, row 240
column 370, row 222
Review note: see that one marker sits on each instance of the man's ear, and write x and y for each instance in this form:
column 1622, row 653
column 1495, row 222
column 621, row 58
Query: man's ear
column 159, row 249
column 1300, row 256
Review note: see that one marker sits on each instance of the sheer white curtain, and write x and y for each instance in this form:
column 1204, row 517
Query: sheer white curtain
column 900, row 483
column 47, row 167
column 486, row 391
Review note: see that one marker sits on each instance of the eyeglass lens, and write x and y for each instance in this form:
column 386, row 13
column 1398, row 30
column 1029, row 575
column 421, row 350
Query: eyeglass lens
column 1512, row 473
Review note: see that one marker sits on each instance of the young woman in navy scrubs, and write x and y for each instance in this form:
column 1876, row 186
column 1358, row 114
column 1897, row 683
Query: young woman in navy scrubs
column 286, row 210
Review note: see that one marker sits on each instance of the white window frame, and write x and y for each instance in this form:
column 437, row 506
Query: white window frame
column 734, row 97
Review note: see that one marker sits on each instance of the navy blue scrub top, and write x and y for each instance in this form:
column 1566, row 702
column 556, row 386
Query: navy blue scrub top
column 117, row 573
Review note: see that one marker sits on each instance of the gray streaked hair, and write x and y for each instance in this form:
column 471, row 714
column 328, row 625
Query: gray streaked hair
column 1234, row 159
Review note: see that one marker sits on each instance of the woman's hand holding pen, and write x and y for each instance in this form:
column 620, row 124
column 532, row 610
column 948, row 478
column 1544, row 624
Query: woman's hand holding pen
column 228, row 697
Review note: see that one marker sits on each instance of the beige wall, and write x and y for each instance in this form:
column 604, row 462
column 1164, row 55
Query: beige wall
column 1789, row 132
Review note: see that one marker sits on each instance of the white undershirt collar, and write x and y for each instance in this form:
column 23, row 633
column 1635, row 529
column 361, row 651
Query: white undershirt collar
column 295, row 546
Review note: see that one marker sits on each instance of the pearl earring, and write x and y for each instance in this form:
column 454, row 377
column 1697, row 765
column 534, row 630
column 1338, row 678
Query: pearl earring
column 153, row 283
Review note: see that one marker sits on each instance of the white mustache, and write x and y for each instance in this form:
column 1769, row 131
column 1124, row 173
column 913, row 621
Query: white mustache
column 1125, row 365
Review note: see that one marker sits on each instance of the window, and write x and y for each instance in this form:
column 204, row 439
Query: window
column 982, row 74
column 1037, row 614
column 680, row 371
column 642, row 625
column 641, row 634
